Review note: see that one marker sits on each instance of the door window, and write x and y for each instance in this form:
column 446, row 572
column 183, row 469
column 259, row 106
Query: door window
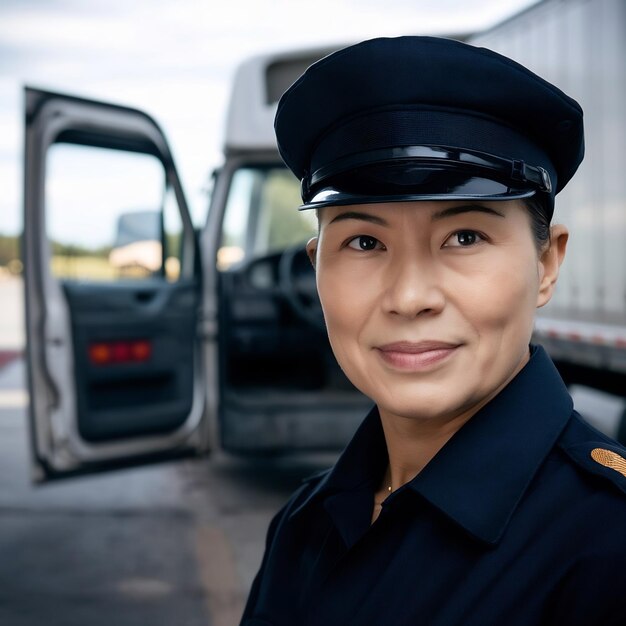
column 261, row 215
column 106, row 211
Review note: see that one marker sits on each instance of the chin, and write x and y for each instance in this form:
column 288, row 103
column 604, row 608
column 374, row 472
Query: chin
column 442, row 397
column 424, row 407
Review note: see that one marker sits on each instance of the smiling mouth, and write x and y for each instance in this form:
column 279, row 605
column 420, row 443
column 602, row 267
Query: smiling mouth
column 410, row 356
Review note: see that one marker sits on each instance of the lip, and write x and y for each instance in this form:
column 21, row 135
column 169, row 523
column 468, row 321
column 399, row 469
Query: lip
column 416, row 356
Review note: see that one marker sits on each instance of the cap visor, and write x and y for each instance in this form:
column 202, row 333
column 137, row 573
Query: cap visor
column 412, row 185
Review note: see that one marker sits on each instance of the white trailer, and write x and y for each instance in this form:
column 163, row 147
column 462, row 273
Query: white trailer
column 580, row 46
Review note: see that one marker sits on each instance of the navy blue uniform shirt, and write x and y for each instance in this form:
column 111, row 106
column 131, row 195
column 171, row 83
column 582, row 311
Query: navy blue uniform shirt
column 519, row 519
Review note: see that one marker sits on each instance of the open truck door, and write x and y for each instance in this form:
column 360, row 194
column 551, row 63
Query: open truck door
column 115, row 373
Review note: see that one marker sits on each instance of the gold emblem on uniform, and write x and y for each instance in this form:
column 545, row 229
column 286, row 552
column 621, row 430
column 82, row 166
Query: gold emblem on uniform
column 609, row 459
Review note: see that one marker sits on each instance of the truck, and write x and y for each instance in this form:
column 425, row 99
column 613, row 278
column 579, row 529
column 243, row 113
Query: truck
column 580, row 46
column 230, row 351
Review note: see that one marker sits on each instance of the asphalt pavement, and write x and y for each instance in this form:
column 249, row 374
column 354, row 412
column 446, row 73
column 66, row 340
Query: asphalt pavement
column 174, row 544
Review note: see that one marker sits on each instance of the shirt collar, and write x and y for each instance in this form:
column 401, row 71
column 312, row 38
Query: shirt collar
column 497, row 452
column 363, row 461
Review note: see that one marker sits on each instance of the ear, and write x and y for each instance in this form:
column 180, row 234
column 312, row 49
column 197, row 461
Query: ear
column 550, row 262
column 311, row 250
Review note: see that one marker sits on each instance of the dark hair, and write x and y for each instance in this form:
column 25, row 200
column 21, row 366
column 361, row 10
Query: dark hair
column 539, row 221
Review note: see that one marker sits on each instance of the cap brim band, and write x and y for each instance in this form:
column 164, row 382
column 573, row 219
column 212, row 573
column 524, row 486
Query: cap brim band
column 472, row 188
column 409, row 179
column 426, row 171
column 400, row 159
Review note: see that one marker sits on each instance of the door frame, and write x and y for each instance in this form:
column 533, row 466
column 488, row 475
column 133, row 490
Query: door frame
column 57, row 447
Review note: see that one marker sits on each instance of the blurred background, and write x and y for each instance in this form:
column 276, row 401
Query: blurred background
column 178, row 543
column 177, row 60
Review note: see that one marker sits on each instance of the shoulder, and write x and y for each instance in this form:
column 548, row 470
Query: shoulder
column 591, row 588
column 595, row 454
column 282, row 535
column 299, row 499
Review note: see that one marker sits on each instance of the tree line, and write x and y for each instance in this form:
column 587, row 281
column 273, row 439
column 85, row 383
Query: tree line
column 10, row 249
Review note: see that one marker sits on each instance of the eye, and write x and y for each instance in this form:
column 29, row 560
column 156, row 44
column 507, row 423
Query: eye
column 365, row 243
column 463, row 239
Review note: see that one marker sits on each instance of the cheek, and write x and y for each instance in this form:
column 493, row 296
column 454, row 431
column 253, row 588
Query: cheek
column 499, row 297
column 348, row 294
column 342, row 299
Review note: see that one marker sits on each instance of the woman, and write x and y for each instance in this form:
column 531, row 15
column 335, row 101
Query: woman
column 472, row 493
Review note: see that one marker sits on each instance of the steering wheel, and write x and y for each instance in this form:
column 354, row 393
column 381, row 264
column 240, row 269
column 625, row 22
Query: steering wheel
column 296, row 279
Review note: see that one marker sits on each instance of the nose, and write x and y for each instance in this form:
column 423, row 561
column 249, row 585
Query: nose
column 413, row 288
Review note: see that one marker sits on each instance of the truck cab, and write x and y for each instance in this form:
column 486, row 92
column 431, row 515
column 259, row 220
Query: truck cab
column 149, row 339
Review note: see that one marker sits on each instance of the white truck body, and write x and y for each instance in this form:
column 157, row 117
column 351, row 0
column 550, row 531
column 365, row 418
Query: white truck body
column 580, row 46
column 250, row 120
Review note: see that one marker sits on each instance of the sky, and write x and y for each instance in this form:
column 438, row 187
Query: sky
column 176, row 60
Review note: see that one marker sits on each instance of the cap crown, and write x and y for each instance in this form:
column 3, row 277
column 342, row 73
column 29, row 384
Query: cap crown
column 442, row 92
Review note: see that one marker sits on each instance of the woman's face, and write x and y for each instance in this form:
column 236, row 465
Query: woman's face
column 429, row 305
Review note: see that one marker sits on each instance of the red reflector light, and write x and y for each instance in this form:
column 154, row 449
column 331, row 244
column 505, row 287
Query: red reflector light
column 121, row 351
column 141, row 350
column 99, row 353
column 107, row 353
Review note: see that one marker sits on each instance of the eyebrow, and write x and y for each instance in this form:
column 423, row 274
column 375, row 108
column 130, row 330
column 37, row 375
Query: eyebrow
column 465, row 208
column 439, row 215
column 356, row 215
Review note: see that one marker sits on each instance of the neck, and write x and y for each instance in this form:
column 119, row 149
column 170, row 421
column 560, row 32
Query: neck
column 412, row 444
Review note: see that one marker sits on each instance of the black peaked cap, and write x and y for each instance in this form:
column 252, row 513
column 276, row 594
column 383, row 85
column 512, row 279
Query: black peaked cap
column 413, row 90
